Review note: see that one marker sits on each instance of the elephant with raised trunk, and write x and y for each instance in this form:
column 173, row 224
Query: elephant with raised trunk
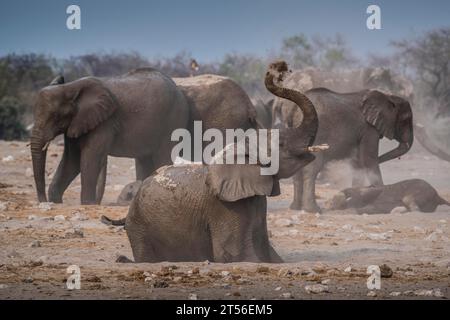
column 132, row 115
column 218, row 211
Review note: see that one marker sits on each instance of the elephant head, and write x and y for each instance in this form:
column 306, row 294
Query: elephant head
column 72, row 109
column 392, row 117
column 234, row 182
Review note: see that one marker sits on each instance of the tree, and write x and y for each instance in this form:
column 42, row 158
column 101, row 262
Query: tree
column 11, row 127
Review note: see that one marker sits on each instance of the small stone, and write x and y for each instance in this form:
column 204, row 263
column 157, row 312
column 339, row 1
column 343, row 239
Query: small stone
column 409, row 273
column 35, row 244
column 283, row 222
column 399, row 210
column 277, row 288
column 45, row 206
column 28, row 172
column 371, row 294
column 225, row 273
column 386, row 271
column 3, row 206
column 32, row 217
column 348, row 269
column 316, row 288
column 286, row 295
column 28, row 280
column 192, row 296
column 177, row 279
column 8, row 158
column 59, row 217
column 326, row 281
column 75, row 233
column 3, row 286
column 395, row 294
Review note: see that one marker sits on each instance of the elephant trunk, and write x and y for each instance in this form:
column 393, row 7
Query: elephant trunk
column 308, row 128
column 405, row 144
column 38, row 153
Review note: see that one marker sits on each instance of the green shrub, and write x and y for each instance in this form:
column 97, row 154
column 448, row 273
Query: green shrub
column 11, row 127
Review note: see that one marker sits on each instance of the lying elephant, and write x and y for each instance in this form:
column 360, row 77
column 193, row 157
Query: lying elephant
column 217, row 212
column 414, row 195
column 128, row 192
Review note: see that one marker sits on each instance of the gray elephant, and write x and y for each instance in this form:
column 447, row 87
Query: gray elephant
column 132, row 115
column 414, row 195
column 217, row 212
column 352, row 124
column 128, row 192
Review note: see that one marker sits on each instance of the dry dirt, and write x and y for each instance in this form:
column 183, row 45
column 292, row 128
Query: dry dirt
column 333, row 249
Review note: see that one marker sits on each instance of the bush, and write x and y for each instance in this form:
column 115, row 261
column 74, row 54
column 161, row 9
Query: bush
column 11, row 127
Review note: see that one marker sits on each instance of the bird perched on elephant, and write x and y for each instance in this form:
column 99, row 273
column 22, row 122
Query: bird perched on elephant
column 217, row 212
column 132, row 115
column 352, row 124
column 413, row 195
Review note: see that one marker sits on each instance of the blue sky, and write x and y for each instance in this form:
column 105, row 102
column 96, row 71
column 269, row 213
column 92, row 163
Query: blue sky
column 207, row 28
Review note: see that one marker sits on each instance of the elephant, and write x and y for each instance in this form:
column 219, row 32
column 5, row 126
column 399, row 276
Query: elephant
column 352, row 124
column 413, row 194
column 217, row 212
column 132, row 115
column 128, row 192
column 217, row 101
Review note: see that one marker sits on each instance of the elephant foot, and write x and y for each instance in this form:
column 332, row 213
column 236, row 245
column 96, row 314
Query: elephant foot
column 55, row 199
column 296, row 206
column 313, row 208
column 123, row 259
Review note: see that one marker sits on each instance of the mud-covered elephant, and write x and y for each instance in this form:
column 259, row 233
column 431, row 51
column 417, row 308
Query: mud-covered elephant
column 352, row 124
column 217, row 212
column 132, row 115
column 413, row 195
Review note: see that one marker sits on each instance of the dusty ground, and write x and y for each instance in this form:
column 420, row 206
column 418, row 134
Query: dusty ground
column 331, row 249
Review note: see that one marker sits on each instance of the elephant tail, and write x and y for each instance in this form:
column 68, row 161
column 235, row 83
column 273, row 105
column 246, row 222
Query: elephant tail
column 112, row 222
column 443, row 201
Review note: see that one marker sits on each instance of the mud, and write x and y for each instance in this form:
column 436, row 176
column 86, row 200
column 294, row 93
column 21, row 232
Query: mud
column 328, row 253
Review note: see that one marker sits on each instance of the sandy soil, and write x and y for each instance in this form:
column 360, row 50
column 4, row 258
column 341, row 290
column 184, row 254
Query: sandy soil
column 328, row 254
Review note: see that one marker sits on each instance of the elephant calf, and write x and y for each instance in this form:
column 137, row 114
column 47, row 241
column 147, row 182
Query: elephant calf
column 128, row 192
column 414, row 194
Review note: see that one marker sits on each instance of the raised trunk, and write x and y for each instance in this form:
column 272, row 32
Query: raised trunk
column 308, row 127
column 402, row 148
column 38, row 154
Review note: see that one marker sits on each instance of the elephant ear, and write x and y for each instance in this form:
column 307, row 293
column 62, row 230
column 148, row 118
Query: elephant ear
column 232, row 182
column 94, row 104
column 381, row 112
column 58, row 80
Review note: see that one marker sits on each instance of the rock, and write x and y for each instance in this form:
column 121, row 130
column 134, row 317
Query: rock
column 399, row 210
column 376, row 236
column 45, row 206
column 316, row 288
column 395, row 294
column 409, row 274
column 348, row 269
column 326, row 281
column 3, row 206
column 35, row 244
column 286, row 295
column 32, row 217
column 419, row 229
column 28, row 280
column 75, row 233
column 195, row 270
column 59, row 217
column 192, row 296
column 386, row 271
column 3, row 286
column 434, row 236
column 277, row 288
column 177, row 279
column 29, row 173
column 8, row 158
column 284, row 272
column 371, row 294
column 283, row 222
column 78, row 216
column 225, row 273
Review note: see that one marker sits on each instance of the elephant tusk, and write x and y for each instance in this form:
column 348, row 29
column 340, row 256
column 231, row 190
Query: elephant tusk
column 317, row 148
column 46, row 146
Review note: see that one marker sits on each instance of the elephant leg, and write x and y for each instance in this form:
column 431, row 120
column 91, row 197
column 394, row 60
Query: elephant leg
column 368, row 154
column 144, row 167
column 101, row 182
column 298, row 191
column 310, row 173
column 68, row 169
column 359, row 173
